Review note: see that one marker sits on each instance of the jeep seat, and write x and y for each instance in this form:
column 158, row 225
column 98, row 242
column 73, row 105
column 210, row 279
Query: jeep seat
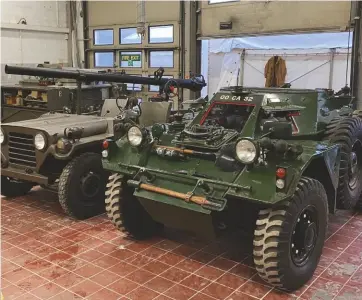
column 154, row 112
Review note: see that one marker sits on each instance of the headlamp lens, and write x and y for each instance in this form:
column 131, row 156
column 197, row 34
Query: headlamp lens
column 246, row 151
column 39, row 141
column 135, row 136
column 2, row 137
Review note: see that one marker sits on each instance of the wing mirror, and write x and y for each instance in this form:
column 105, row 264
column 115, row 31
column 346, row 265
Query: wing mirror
column 278, row 130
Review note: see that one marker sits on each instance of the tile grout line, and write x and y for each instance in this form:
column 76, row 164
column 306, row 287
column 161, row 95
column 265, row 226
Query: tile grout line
column 358, row 268
column 171, row 266
column 311, row 283
column 137, row 268
column 53, row 264
column 333, row 261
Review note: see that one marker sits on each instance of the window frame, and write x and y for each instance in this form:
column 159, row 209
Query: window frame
column 141, row 88
column 161, row 25
column 120, row 36
column 103, row 51
column 163, row 76
column 120, row 51
column 94, row 37
column 223, row 2
column 163, row 50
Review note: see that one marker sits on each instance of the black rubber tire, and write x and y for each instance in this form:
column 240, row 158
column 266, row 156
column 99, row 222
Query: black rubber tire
column 12, row 188
column 345, row 132
column 273, row 237
column 126, row 212
column 359, row 205
column 71, row 197
column 357, row 113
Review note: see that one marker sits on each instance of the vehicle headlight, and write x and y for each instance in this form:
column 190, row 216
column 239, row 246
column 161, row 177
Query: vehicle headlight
column 2, row 136
column 39, row 141
column 135, row 136
column 246, row 151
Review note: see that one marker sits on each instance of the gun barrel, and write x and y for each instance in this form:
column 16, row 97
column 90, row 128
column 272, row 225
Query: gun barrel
column 192, row 84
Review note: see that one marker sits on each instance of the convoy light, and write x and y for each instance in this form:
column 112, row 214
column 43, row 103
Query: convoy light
column 280, row 183
column 63, row 145
column 39, row 141
column 2, row 136
column 105, row 144
column 280, row 173
column 105, row 153
column 135, row 136
column 246, row 151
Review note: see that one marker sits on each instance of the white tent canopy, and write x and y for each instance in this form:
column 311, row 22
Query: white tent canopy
column 326, row 40
column 317, row 60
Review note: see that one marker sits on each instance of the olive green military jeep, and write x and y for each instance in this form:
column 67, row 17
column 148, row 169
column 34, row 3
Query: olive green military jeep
column 63, row 151
column 288, row 156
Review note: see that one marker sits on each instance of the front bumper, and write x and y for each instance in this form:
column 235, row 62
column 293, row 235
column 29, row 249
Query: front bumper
column 174, row 188
column 25, row 173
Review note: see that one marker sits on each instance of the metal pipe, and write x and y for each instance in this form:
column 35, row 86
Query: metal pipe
column 182, row 46
column 355, row 72
column 331, row 68
column 86, row 33
column 241, row 69
column 79, row 97
column 186, row 197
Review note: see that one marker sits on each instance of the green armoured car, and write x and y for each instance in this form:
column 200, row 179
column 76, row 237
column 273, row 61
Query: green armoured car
column 282, row 159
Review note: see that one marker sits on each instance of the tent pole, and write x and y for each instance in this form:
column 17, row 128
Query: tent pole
column 241, row 69
column 331, row 66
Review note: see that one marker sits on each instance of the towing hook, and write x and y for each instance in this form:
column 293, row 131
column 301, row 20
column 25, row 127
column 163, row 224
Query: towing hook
column 207, row 188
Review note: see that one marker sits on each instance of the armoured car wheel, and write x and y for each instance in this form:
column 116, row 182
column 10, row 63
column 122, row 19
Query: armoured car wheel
column 126, row 212
column 82, row 186
column 14, row 188
column 359, row 205
column 288, row 239
column 347, row 132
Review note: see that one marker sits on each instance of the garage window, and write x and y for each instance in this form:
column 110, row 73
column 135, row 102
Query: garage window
column 103, row 37
column 134, row 86
column 104, row 59
column 161, row 59
column 222, row 1
column 156, row 88
column 130, row 59
column 128, row 36
column 160, row 34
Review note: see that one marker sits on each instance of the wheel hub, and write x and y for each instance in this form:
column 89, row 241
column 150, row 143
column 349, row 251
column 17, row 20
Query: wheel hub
column 310, row 234
column 304, row 236
column 355, row 166
column 90, row 184
column 354, row 162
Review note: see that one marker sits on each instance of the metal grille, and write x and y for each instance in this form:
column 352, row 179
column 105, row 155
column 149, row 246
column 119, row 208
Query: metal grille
column 22, row 149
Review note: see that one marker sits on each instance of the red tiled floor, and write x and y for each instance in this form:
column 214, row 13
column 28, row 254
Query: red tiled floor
column 104, row 294
column 159, row 284
column 47, row 255
column 85, row 288
column 105, row 278
column 217, row 291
